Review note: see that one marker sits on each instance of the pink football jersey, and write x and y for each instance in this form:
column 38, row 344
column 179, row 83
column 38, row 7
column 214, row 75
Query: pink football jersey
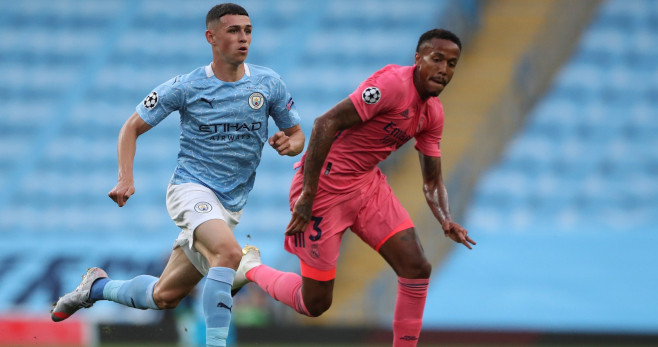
column 392, row 113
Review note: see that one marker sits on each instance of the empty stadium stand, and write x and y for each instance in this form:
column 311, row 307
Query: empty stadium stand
column 566, row 218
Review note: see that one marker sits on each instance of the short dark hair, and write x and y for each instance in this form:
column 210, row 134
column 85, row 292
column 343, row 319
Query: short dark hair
column 438, row 34
column 218, row 11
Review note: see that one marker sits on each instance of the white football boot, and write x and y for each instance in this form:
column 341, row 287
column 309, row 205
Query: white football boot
column 250, row 259
column 68, row 304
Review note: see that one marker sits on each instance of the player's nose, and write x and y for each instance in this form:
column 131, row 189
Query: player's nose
column 243, row 36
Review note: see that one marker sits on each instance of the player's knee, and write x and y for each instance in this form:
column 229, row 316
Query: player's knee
column 420, row 268
column 317, row 307
column 424, row 270
column 226, row 257
column 166, row 299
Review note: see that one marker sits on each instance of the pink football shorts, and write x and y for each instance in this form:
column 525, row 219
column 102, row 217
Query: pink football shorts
column 372, row 212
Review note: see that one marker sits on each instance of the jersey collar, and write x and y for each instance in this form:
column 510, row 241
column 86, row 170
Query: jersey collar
column 209, row 72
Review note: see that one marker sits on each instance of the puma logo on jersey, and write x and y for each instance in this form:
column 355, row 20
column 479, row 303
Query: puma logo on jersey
column 208, row 101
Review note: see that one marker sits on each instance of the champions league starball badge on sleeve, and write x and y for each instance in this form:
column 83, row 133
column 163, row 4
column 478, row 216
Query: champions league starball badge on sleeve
column 371, row 95
column 151, row 100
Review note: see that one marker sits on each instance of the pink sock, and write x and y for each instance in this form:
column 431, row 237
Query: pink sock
column 282, row 286
column 409, row 306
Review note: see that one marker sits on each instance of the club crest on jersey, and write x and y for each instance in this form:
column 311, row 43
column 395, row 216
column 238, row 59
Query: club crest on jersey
column 256, row 100
column 315, row 251
column 203, row 207
column 151, row 100
column 371, row 95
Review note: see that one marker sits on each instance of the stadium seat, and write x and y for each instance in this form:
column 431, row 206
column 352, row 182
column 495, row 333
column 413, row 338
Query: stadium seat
column 577, row 183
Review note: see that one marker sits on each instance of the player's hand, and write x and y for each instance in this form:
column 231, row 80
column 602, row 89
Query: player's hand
column 280, row 142
column 457, row 233
column 301, row 214
column 122, row 192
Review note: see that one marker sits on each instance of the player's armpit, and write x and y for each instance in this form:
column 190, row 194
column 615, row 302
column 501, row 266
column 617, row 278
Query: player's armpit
column 342, row 116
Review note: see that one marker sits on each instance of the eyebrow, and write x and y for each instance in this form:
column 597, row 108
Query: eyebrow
column 248, row 26
column 441, row 55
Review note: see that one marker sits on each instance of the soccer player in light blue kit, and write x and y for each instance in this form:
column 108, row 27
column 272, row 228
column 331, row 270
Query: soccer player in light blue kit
column 224, row 109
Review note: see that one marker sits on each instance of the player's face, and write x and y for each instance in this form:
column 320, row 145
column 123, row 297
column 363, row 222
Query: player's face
column 230, row 38
column 435, row 64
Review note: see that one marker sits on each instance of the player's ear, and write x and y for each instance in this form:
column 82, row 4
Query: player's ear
column 416, row 58
column 210, row 37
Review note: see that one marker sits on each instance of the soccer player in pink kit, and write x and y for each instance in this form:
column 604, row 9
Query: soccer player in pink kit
column 338, row 186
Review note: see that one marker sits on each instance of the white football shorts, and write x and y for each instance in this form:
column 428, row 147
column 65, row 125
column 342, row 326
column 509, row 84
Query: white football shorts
column 189, row 205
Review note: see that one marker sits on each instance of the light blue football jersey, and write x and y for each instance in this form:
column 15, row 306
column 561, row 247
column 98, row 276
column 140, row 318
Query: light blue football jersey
column 223, row 126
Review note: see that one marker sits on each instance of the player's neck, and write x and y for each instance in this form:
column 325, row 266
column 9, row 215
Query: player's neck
column 423, row 96
column 227, row 72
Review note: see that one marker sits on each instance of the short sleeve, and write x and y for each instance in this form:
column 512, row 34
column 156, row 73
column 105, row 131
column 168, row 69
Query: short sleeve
column 282, row 107
column 428, row 140
column 379, row 93
column 163, row 100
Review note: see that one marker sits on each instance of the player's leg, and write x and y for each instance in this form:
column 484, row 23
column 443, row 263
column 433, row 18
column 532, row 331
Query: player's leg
column 305, row 295
column 189, row 205
column 317, row 248
column 143, row 292
column 404, row 253
column 215, row 241
column 385, row 225
column 207, row 240
column 176, row 282
column 317, row 295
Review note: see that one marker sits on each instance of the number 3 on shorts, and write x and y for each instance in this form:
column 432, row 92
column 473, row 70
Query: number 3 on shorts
column 316, row 227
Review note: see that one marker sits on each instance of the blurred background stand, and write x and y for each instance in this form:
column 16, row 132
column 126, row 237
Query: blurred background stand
column 549, row 152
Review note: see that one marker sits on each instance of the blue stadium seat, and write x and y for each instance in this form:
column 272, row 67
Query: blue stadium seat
column 572, row 205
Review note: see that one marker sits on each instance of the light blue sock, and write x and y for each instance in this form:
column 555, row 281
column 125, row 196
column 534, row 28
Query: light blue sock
column 137, row 292
column 217, row 304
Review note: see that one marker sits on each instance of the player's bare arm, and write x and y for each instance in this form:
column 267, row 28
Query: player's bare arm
column 126, row 147
column 289, row 141
column 340, row 117
column 436, row 195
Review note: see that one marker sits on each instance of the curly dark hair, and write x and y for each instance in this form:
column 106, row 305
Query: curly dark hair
column 438, row 34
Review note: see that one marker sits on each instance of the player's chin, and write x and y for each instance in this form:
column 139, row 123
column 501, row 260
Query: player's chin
column 238, row 59
column 437, row 90
column 434, row 89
